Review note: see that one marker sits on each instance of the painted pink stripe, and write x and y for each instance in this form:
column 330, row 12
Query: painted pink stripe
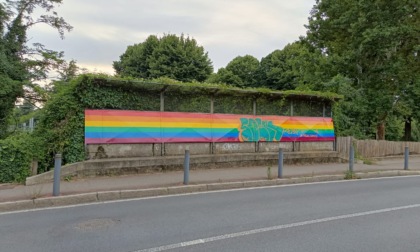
column 178, row 115
column 307, row 139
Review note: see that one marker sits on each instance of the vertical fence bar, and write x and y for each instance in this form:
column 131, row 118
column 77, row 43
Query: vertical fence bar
column 187, row 166
column 291, row 108
column 57, row 173
column 280, row 166
column 162, row 101
column 212, row 105
column 351, row 158
column 406, row 153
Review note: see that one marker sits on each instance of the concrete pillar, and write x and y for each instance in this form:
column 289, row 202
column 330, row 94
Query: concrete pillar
column 34, row 167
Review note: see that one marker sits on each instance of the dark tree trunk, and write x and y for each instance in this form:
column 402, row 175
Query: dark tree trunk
column 407, row 129
column 381, row 131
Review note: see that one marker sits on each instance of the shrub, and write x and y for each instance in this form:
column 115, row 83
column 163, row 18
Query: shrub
column 16, row 154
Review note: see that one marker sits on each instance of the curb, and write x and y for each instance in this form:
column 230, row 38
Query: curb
column 142, row 193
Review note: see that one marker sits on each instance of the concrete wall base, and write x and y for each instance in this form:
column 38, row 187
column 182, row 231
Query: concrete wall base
column 105, row 151
column 119, row 166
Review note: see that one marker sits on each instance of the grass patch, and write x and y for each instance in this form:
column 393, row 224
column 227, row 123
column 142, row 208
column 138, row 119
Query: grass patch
column 350, row 175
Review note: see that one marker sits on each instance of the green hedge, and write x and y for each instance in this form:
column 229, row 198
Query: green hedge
column 16, row 154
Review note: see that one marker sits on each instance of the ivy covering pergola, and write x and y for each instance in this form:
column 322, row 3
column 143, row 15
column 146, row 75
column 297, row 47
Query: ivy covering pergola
column 169, row 95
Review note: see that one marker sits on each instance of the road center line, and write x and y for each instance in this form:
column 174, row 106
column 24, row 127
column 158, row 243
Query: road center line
column 273, row 228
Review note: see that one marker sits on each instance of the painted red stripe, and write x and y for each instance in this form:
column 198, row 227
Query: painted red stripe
column 157, row 140
column 292, row 119
column 185, row 115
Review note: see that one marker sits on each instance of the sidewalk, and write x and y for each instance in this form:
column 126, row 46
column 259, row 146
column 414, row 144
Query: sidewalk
column 14, row 192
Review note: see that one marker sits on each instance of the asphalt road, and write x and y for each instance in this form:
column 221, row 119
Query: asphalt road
column 360, row 215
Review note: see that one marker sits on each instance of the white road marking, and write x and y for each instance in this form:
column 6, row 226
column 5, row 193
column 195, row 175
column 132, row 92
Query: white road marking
column 273, row 228
column 204, row 192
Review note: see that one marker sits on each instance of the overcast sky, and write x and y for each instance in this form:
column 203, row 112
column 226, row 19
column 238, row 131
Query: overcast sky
column 225, row 28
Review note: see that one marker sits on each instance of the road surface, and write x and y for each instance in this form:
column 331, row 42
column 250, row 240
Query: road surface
column 357, row 215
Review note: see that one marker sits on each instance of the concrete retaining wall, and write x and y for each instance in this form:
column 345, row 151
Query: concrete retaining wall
column 117, row 166
column 114, row 159
column 101, row 151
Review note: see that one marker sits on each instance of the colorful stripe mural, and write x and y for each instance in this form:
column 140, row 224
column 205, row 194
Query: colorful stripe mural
column 122, row 126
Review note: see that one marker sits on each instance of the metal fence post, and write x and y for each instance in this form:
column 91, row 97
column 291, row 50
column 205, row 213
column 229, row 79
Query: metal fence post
column 187, row 166
column 351, row 158
column 57, row 173
column 280, row 168
column 406, row 153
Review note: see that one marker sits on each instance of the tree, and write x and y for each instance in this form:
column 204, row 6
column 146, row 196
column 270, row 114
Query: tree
column 179, row 58
column 240, row 72
column 407, row 107
column 69, row 70
column 135, row 61
column 21, row 64
column 375, row 44
column 225, row 76
column 296, row 65
column 350, row 114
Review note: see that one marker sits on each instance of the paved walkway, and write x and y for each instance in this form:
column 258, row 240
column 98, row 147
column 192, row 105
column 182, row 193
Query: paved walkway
column 13, row 192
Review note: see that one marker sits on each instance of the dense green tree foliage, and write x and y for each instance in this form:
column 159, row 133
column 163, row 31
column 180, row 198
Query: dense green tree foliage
column 376, row 44
column 179, row 58
column 296, row 65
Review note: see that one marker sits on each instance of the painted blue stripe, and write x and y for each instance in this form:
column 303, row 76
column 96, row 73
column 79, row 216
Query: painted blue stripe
column 157, row 130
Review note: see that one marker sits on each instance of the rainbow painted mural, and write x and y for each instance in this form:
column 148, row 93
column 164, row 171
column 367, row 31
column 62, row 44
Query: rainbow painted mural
column 123, row 126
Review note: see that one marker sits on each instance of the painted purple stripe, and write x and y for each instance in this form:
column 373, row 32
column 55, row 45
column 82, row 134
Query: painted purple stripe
column 157, row 140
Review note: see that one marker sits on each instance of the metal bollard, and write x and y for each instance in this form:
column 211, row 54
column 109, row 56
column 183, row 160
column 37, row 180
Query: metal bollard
column 57, row 173
column 351, row 158
column 187, row 166
column 280, row 168
column 406, row 153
